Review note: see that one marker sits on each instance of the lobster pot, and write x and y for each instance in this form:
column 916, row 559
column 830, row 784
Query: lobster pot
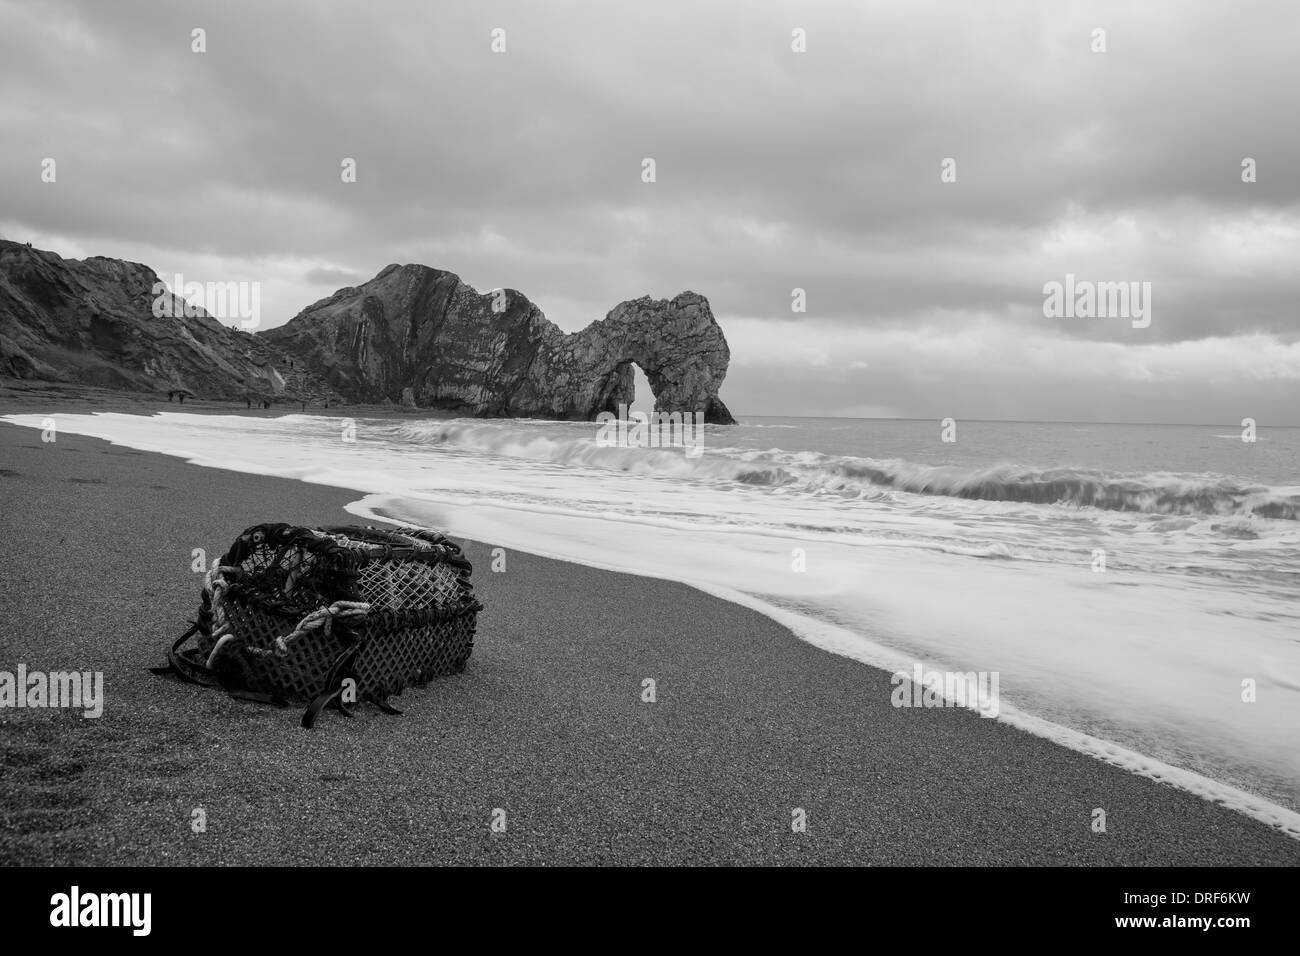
column 295, row 614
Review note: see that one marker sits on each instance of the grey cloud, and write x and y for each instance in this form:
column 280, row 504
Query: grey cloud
column 338, row 278
column 775, row 170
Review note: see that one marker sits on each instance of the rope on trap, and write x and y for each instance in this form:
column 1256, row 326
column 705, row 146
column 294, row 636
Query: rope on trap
column 293, row 613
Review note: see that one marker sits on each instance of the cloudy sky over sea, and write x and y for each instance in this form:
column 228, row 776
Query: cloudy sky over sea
column 775, row 170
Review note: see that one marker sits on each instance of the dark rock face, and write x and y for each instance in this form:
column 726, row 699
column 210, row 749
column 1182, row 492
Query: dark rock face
column 91, row 322
column 423, row 330
column 412, row 336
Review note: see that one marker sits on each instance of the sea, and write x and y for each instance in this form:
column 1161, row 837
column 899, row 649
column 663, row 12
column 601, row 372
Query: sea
column 1136, row 588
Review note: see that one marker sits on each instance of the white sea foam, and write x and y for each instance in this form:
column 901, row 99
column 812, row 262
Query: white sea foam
column 1140, row 666
column 1153, row 493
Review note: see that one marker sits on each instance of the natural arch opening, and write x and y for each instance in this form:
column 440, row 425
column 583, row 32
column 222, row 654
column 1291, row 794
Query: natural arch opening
column 643, row 396
column 671, row 388
column 626, row 384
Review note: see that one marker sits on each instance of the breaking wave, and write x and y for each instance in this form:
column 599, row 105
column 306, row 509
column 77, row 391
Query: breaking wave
column 1170, row 494
column 816, row 473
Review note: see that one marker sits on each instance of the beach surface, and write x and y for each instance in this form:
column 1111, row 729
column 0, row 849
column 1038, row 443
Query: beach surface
column 750, row 725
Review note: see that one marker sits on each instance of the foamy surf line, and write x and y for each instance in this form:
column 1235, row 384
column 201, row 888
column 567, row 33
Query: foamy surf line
column 816, row 472
column 267, row 447
column 398, row 510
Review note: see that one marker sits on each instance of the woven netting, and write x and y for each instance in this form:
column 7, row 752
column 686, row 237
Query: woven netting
column 292, row 612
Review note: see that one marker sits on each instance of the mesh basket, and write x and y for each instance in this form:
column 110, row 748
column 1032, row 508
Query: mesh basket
column 299, row 614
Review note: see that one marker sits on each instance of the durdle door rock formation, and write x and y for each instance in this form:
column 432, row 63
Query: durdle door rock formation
column 419, row 334
column 411, row 336
column 91, row 322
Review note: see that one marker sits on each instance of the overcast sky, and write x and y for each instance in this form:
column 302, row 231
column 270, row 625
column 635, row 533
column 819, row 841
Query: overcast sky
column 775, row 170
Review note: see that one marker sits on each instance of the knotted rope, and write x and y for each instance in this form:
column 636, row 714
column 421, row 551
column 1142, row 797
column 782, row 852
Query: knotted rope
column 322, row 618
column 215, row 584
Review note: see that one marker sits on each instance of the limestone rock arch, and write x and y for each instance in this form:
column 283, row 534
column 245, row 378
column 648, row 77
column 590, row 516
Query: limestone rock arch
column 676, row 342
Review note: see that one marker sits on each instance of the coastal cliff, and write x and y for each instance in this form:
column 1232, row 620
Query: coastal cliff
column 412, row 335
column 422, row 335
column 92, row 322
